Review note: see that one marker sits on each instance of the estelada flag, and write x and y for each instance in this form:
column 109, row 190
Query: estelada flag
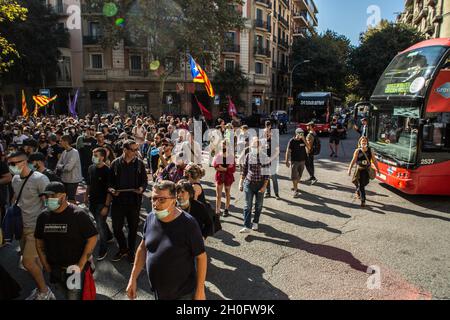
column 24, row 106
column 199, row 76
column 231, row 108
column 42, row 101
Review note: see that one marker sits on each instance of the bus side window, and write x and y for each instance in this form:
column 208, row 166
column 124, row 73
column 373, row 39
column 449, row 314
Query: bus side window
column 436, row 133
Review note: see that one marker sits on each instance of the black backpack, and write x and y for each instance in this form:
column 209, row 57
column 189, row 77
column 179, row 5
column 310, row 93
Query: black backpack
column 316, row 145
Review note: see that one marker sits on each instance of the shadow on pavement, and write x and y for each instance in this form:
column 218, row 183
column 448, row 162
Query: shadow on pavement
column 246, row 282
column 321, row 250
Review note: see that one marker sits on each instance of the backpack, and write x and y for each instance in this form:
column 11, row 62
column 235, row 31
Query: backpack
column 214, row 217
column 316, row 145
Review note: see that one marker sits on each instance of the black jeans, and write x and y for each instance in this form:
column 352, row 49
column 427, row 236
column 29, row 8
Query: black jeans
column 362, row 192
column 102, row 226
column 118, row 214
column 310, row 165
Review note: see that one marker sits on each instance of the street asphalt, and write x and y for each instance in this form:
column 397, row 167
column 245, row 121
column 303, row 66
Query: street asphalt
column 320, row 246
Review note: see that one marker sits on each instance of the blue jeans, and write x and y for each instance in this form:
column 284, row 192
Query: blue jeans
column 251, row 191
column 274, row 179
column 102, row 227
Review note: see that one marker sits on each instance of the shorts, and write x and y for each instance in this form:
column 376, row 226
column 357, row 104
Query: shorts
column 297, row 169
column 71, row 190
column 28, row 244
column 334, row 140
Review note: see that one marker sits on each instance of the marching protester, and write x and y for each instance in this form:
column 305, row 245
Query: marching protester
column 273, row 156
column 363, row 157
column 296, row 159
column 69, row 167
column 65, row 237
column 128, row 183
column 98, row 198
column 225, row 166
column 363, row 129
column 186, row 202
column 37, row 160
column 54, row 152
column 253, row 182
column 28, row 186
column 312, row 148
column 139, row 132
column 194, row 173
column 84, row 145
column 172, row 249
column 336, row 130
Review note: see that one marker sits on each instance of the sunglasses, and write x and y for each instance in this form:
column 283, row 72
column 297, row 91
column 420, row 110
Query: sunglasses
column 13, row 163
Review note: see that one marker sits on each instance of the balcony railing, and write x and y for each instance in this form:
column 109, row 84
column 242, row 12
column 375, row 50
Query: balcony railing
column 60, row 9
column 138, row 73
column 87, row 9
column 262, row 51
column 286, row 2
column 263, row 25
column 232, row 48
column 268, row 3
column 283, row 20
column 283, row 43
column 90, row 40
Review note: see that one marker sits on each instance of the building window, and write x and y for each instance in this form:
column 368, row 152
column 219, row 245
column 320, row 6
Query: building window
column 94, row 29
column 259, row 68
column 97, row 61
column 229, row 65
column 135, row 62
column 259, row 15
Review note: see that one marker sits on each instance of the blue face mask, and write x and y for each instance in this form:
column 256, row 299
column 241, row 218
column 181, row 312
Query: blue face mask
column 32, row 167
column 162, row 214
column 95, row 160
column 52, row 204
column 14, row 170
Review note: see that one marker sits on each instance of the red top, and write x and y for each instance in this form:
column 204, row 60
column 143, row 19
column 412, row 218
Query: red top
column 428, row 43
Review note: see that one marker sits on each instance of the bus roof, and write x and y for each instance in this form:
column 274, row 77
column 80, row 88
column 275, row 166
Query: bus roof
column 428, row 43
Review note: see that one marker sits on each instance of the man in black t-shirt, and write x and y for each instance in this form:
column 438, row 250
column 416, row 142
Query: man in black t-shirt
column 336, row 130
column 296, row 159
column 172, row 249
column 54, row 152
column 98, row 198
column 85, row 144
column 65, row 237
column 37, row 159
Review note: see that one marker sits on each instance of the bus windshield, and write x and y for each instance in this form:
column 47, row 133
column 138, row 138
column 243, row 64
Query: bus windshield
column 409, row 73
column 394, row 132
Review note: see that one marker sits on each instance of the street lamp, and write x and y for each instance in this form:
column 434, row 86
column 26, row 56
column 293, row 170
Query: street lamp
column 291, row 84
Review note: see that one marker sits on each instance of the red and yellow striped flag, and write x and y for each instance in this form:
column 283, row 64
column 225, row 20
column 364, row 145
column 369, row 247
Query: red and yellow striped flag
column 42, row 101
column 24, row 106
column 36, row 111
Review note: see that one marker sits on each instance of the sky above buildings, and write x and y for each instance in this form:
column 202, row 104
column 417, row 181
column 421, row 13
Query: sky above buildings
column 351, row 17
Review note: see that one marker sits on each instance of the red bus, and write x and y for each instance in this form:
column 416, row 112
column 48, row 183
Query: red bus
column 315, row 106
column 409, row 121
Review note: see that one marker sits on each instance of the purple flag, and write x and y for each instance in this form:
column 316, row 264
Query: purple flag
column 73, row 105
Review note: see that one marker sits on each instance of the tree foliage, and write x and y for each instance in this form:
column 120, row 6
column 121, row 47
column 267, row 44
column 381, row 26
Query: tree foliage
column 10, row 11
column 378, row 47
column 231, row 83
column 37, row 39
column 328, row 67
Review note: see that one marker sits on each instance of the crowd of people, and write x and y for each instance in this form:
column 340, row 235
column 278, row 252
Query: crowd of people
column 62, row 178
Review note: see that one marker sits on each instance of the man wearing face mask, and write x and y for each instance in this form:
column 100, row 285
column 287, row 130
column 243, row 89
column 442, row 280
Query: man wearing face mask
column 31, row 205
column 37, row 160
column 98, row 198
column 127, row 174
column 172, row 249
column 65, row 236
column 85, row 144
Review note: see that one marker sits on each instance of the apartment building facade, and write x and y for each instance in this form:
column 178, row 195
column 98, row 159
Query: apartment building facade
column 430, row 17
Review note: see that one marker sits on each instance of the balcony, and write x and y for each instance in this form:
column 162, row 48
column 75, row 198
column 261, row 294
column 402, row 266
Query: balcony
column 260, row 24
column 286, row 3
column 301, row 32
column 301, row 17
column 233, row 48
column 91, row 40
column 95, row 74
column 91, row 10
column 283, row 20
column 423, row 13
column 260, row 51
column 138, row 73
column 60, row 9
column 283, row 43
column 266, row 3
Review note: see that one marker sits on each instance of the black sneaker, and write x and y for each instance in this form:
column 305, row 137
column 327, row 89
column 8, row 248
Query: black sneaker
column 119, row 256
column 331, row 155
column 102, row 255
column 226, row 213
column 313, row 181
column 267, row 195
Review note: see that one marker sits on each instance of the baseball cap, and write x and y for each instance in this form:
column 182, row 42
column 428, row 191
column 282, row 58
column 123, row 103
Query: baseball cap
column 299, row 131
column 53, row 188
column 311, row 123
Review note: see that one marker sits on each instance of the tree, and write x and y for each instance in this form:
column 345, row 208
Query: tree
column 328, row 68
column 10, row 11
column 378, row 47
column 170, row 29
column 231, row 83
column 37, row 39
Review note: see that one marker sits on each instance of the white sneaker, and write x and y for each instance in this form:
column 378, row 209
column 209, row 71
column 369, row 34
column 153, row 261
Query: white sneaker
column 255, row 227
column 33, row 295
column 46, row 296
column 244, row 230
